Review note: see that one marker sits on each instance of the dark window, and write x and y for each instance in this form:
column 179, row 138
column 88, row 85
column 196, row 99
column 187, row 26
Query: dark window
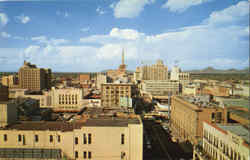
column 19, row 138
column 51, row 138
column 36, row 138
column 76, row 140
column 122, row 139
column 5, row 137
column 84, row 154
column 90, row 155
column 89, row 138
column 59, row 138
column 76, row 154
column 84, row 139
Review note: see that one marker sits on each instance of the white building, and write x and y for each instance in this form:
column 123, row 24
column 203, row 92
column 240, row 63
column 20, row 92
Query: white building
column 224, row 142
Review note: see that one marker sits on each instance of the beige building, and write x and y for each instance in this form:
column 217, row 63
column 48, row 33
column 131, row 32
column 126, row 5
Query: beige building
column 63, row 99
column 102, row 138
column 9, row 81
column 100, row 79
column 111, row 93
column 187, row 117
column 156, row 71
column 8, row 112
column 223, row 142
column 33, row 78
column 160, row 87
column 178, row 75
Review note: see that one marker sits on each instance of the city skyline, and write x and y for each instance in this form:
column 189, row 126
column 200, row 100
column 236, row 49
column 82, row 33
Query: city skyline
column 88, row 36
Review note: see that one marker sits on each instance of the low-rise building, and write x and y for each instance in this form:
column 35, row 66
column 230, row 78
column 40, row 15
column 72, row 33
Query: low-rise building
column 8, row 113
column 223, row 142
column 9, row 81
column 99, row 137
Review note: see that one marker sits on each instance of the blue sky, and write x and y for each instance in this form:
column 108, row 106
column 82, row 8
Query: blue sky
column 89, row 35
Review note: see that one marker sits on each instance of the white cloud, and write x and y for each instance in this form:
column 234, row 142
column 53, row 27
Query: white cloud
column 45, row 40
column 230, row 15
column 3, row 19
column 100, row 11
column 86, row 29
column 65, row 14
column 5, row 35
column 129, row 34
column 182, row 5
column 129, row 8
column 23, row 19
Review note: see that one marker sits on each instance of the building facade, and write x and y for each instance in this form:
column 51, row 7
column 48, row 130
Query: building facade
column 33, row 78
column 8, row 112
column 111, row 93
column 9, row 81
column 187, row 118
column 160, row 87
column 98, row 139
column 156, row 71
column 100, row 79
column 223, row 142
column 177, row 74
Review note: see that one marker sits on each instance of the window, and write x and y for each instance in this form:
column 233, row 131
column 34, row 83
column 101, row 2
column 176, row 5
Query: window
column 19, row 138
column 76, row 140
column 58, row 138
column 84, row 154
column 84, row 139
column 50, row 138
column 90, row 155
column 5, row 137
column 89, row 138
column 122, row 139
column 76, row 154
column 36, row 138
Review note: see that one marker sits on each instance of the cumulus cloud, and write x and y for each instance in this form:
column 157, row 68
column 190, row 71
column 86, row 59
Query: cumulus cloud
column 129, row 8
column 5, row 35
column 195, row 47
column 182, row 5
column 3, row 19
column 231, row 14
column 23, row 19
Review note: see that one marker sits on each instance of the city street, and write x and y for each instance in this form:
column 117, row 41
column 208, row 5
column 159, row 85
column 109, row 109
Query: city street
column 162, row 146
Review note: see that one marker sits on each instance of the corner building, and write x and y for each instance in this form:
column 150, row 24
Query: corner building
column 187, row 118
column 99, row 139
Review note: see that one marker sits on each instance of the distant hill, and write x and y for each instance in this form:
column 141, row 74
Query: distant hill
column 213, row 70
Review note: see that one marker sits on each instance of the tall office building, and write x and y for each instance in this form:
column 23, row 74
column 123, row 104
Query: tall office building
column 156, row 71
column 33, row 78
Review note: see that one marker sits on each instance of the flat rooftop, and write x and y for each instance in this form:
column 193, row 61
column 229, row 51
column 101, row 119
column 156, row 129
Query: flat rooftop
column 90, row 117
column 236, row 129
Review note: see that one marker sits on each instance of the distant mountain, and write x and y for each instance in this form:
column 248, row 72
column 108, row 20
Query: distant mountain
column 213, row 70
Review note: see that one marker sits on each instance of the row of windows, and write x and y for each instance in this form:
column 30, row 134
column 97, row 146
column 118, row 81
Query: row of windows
column 36, row 138
column 67, row 102
column 87, row 139
column 85, row 154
